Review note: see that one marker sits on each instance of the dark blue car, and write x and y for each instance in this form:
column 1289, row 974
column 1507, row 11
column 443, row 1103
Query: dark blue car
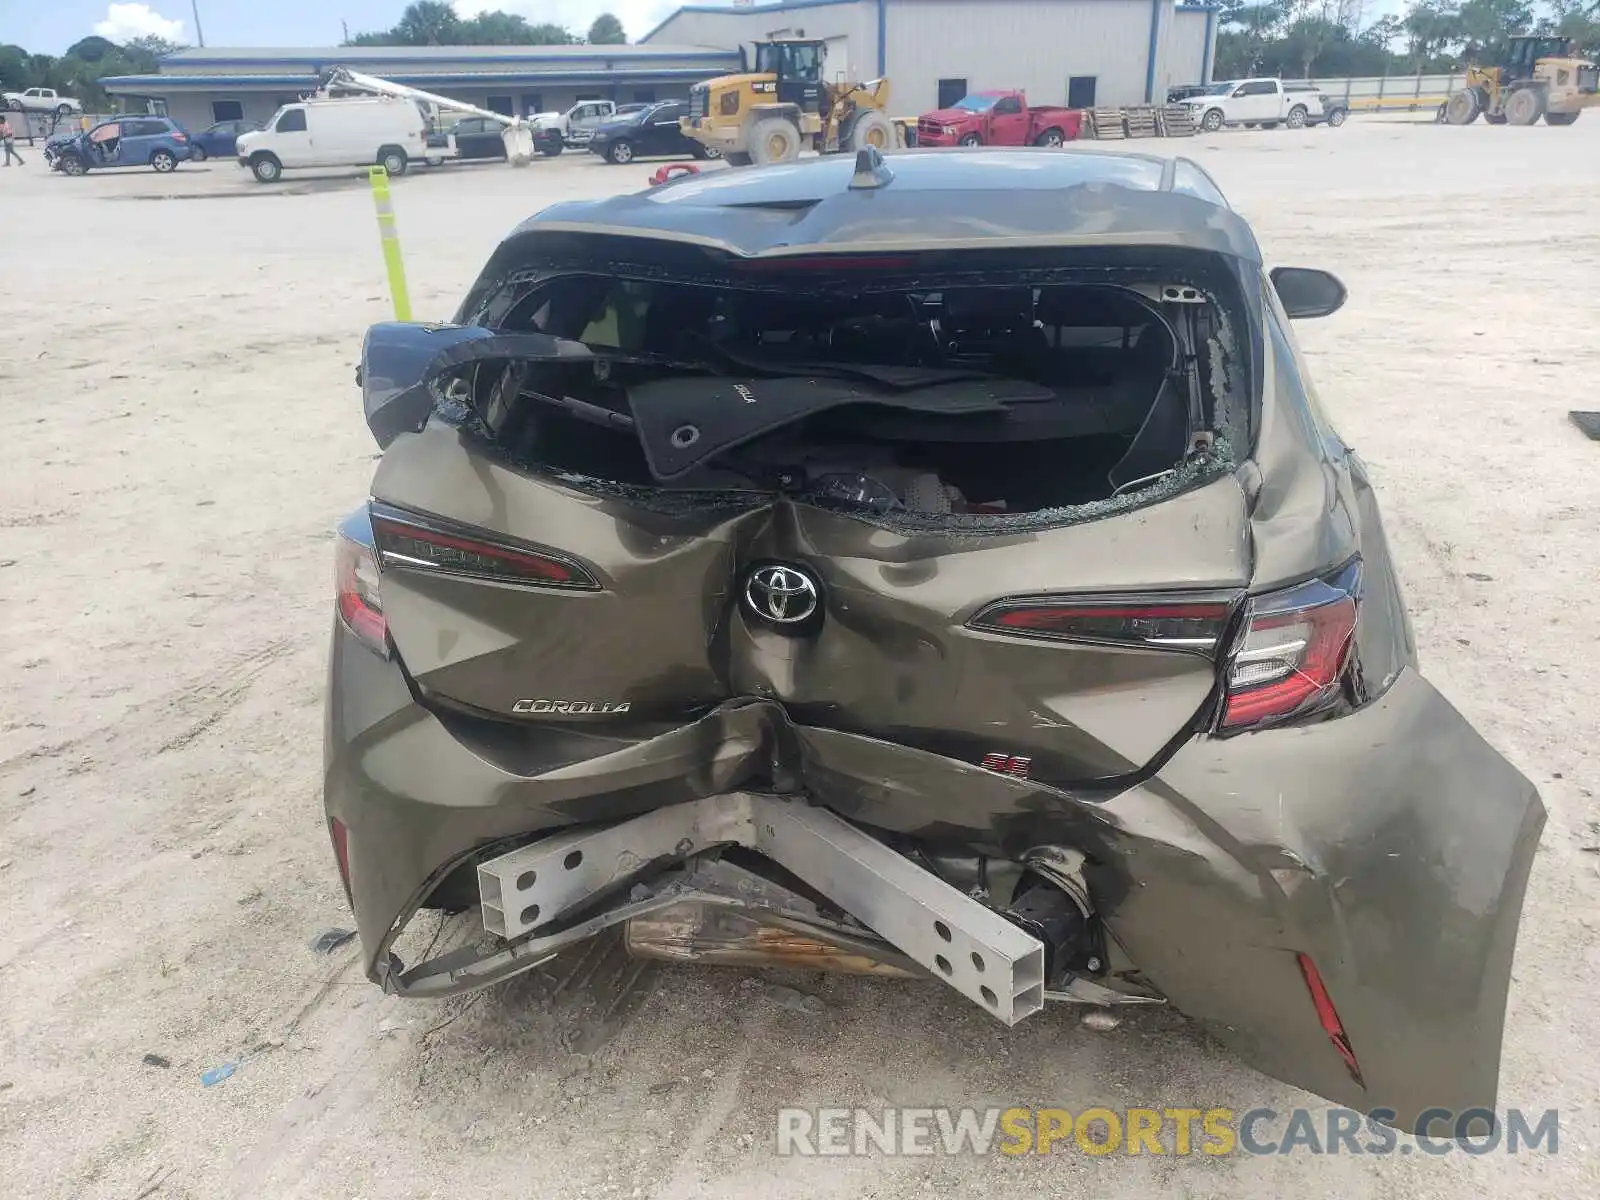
column 219, row 141
column 159, row 143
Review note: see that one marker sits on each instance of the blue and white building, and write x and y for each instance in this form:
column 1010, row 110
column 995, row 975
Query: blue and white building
column 1077, row 52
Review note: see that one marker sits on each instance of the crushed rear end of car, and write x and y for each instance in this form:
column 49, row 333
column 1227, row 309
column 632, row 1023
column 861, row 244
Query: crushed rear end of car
column 999, row 610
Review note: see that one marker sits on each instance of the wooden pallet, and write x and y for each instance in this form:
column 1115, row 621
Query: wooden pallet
column 1177, row 120
column 1107, row 123
column 1141, row 120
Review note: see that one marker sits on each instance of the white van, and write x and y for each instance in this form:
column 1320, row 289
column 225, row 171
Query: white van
column 368, row 130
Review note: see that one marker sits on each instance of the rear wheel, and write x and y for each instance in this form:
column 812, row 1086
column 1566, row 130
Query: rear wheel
column 774, row 140
column 63, row 110
column 163, row 161
column 872, row 129
column 1463, row 108
column 1336, row 117
column 1050, row 137
column 1525, row 106
column 393, row 160
column 620, row 152
column 1551, row 118
column 14, row 105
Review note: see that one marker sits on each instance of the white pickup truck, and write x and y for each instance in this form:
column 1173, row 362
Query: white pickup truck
column 41, row 100
column 1255, row 102
column 576, row 126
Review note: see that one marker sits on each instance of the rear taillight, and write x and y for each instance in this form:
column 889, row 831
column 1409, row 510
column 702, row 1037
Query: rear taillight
column 357, row 584
column 1292, row 651
column 410, row 540
column 1174, row 622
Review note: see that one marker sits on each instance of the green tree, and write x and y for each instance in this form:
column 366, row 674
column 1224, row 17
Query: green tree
column 607, row 31
column 428, row 23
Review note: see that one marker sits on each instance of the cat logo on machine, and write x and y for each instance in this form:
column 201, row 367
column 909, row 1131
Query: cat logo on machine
column 571, row 708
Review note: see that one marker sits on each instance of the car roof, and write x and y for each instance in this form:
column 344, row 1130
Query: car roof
column 944, row 198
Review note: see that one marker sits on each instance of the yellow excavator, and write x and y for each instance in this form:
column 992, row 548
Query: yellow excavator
column 1538, row 77
column 786, row 105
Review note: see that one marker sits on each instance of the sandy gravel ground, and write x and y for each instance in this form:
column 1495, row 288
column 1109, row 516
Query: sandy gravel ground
column 180, row 430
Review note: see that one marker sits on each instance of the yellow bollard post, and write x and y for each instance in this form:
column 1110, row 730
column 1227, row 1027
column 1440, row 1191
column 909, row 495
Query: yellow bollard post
column 390, row 236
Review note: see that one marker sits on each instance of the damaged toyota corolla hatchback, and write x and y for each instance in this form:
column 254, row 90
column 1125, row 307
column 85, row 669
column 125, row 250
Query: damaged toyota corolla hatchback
column 935, row 565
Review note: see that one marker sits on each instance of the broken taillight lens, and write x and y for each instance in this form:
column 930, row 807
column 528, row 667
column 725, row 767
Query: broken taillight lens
column 1187, row 622
column 1292, row 651
column 357, row 584
column 410, row 540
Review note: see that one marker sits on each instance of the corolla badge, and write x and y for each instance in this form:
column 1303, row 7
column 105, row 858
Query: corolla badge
column 783, row 595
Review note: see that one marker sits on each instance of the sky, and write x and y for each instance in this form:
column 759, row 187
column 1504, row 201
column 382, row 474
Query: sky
column 50, row 26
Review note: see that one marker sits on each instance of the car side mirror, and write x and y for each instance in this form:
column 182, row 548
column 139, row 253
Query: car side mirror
column 1306, row 292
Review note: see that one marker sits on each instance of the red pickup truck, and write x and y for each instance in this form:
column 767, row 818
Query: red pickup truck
column 998, row 119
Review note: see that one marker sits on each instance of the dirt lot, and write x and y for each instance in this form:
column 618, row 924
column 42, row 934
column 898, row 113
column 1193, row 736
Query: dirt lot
column 181, row 431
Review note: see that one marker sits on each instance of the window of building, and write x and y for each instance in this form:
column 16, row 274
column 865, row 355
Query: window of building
column 500, row 104
column 1080, row 91
column 227, row 110
column 532, row 102
column 951, row 92
column 644, row 95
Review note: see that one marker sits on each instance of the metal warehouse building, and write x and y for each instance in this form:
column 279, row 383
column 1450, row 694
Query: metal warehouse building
column 1077, row 52
column 203, row 85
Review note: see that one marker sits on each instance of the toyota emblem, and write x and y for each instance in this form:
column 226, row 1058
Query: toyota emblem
column 783, row 595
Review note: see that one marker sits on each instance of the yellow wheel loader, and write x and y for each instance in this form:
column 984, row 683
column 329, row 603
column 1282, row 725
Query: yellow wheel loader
column 1539, row 77
column 786, row 105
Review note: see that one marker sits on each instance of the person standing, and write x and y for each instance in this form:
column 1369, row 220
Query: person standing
column 9, row 139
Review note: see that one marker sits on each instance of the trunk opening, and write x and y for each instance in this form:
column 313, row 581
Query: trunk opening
column 925, row 400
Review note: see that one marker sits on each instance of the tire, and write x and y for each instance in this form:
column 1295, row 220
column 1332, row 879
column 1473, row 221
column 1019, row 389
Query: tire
column 1463, row 107
column 872, row 129
column 71, row 164
column 14, row 105
column 620, row 152
column 434, row 160
column 393, row 160
column 1050, row 137
column 197, row 154
column 1212, row 121
column 1336, row 118
column 773, row 140
column 971, row 139
column 705, row 152
column 1551, row 118
column 736, row 158
column 163, row 162
column 266, row 168
column 1296, row 118
column 552, row 148
column 1524, row 106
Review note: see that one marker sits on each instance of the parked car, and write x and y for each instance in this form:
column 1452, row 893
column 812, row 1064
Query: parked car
column 653, row 131
column 959, row 536
column 998, row 119
column 1251, row 102
column 357, row 131
column 159, row 143
column 42, row 99
column 1327, row 110
column 572, row 128
column 220, row 140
